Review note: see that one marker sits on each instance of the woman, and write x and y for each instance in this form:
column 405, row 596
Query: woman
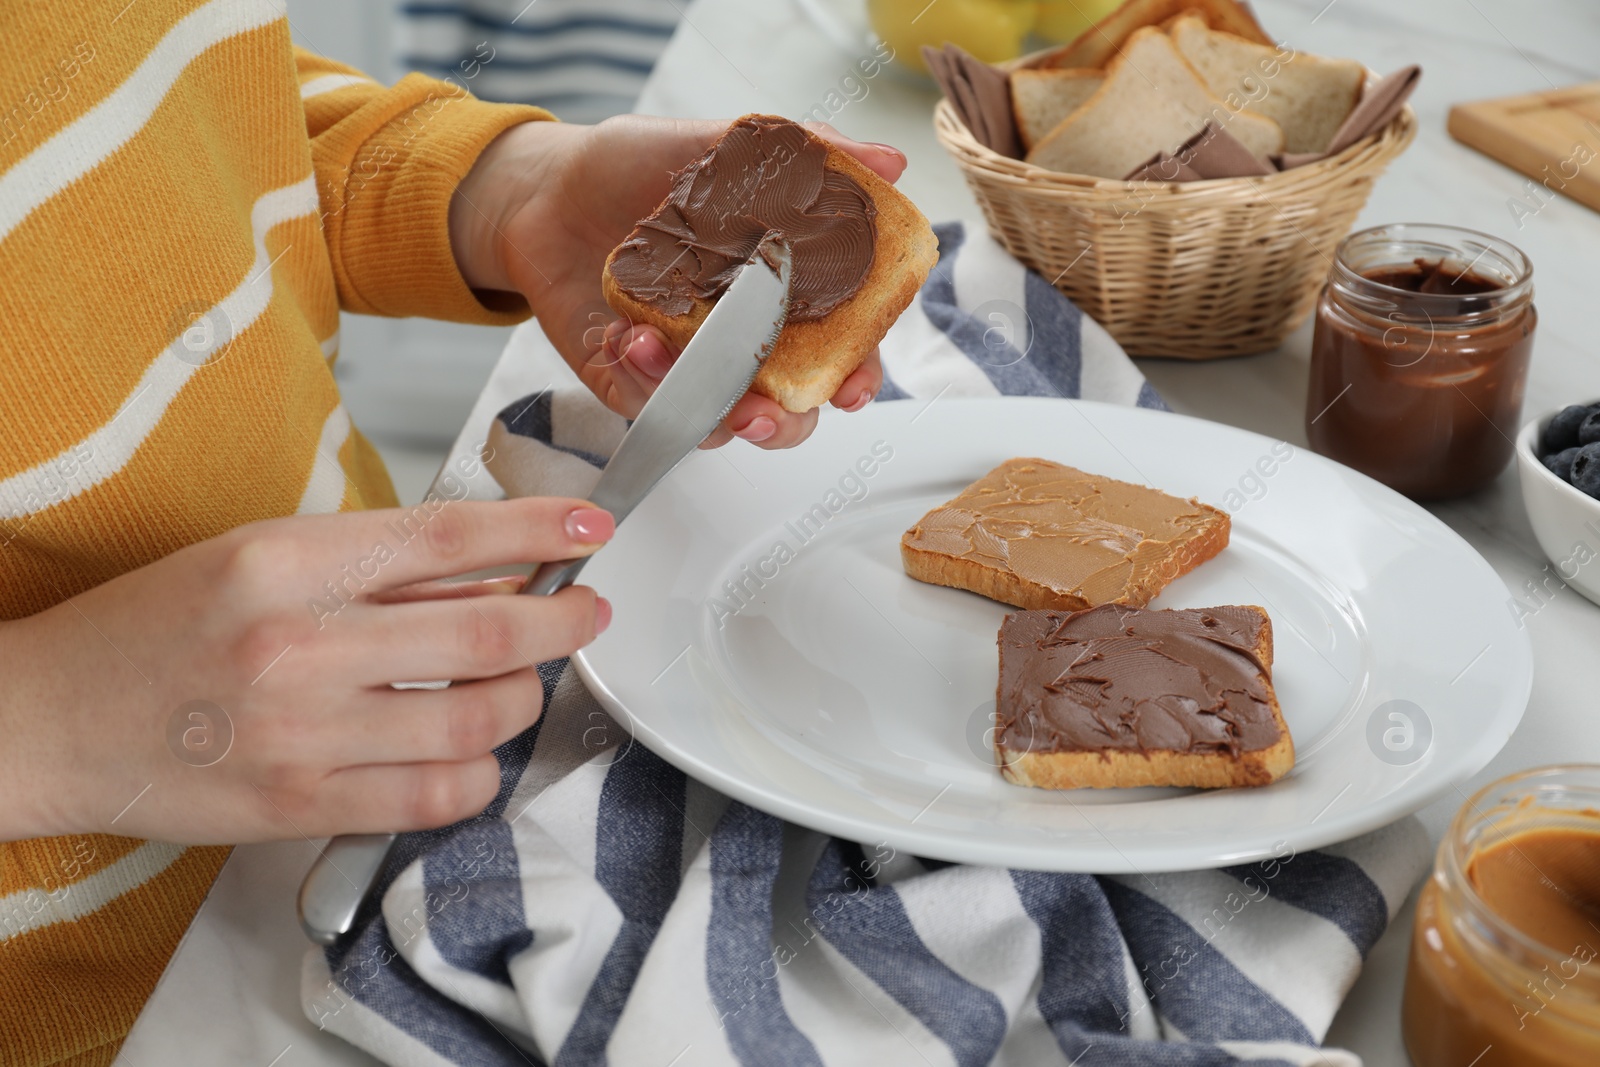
column 186, row 204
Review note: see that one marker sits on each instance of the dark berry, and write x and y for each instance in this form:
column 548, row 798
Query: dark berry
column 1560, row 463
column 1586, row 469
column 1562, row 431
column 1589, row 429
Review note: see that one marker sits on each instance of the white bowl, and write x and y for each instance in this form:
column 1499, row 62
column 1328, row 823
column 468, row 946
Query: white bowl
column 1565, row 520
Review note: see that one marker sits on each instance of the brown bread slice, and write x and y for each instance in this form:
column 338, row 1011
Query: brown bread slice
column 1037, row 534
column 1040, row 99
column 812, row 359
column 1096, row 46
column 1151, row 101
column 1028, row 753
column 1308, row 96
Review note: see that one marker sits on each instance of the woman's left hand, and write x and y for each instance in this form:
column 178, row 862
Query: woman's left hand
column 543, row 208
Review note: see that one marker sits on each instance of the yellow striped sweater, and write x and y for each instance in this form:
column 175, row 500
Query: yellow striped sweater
column 186, row 202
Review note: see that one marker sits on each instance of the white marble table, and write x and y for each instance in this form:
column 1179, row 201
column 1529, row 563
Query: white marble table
column 230, row 995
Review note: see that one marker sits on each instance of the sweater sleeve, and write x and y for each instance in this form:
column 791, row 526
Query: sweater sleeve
column 387, row 162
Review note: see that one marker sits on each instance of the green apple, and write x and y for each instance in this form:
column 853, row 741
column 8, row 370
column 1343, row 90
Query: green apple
column 992, row 30
column 1065, row 20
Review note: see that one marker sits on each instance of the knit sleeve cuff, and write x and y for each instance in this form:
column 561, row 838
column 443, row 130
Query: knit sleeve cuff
column 386, row 175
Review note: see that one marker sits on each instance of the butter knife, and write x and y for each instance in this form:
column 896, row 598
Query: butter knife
column 713, row 372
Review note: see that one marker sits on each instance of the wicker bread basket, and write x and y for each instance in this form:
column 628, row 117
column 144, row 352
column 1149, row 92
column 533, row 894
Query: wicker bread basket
column 1193, row 270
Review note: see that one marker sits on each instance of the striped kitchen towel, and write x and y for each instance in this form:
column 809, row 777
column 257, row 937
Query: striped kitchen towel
column 607, row 909
column 586, row 60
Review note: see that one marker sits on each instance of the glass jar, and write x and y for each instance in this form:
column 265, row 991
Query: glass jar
column 1419, row 358
column 1504, row 969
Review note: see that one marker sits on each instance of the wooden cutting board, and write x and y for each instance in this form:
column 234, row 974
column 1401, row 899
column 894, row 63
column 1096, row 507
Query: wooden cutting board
column 1553, row 137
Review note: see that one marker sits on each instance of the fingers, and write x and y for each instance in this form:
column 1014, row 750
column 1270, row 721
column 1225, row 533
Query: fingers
column 763, row 422
column 886, row 160
column 379, row 798
column 857, row 391
column 356, row 555
column 481, row 637
column 461, row 723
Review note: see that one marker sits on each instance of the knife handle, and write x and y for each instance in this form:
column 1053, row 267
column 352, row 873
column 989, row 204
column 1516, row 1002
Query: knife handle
column 338, row 882
column 554, row 576
column 346, row 869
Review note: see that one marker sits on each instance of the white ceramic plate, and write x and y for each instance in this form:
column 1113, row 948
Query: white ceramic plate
column 840, row 694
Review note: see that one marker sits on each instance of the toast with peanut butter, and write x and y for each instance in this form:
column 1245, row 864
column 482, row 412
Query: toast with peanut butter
column 1115, row 697
column 860, row 251
column 1037, row 534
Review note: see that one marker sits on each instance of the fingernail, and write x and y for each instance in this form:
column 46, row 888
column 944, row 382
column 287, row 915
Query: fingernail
column 861, row 401
column 615, row 329
column 891, row 149
column 602, row 615
column 646, row 353
column 758, row 429
column 590, row 526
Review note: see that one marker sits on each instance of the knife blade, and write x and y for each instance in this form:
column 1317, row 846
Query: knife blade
column 714, row 371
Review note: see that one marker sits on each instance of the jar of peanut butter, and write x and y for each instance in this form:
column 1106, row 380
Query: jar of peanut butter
column 1505, row 955
column 1419, row 357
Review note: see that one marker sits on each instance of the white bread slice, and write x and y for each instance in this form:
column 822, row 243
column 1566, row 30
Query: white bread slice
column 930, row 557
column 1040, row 99
column 810, row 360
column 1308, row 96
column 1113, row 769
column 1096, row 46
column 1152, row 101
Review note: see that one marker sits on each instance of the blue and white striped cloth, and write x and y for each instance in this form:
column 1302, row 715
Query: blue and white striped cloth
column 606, row 909
column 583, row 59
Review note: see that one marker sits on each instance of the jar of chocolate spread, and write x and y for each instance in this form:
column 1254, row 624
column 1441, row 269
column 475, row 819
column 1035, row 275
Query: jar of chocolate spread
column 1423, row 335
column 1505, row 952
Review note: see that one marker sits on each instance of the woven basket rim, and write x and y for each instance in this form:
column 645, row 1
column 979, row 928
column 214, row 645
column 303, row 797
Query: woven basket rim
column 1378, row 147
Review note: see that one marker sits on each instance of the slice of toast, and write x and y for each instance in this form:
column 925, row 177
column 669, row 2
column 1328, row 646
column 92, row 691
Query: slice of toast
column 1040, row 99
column 1151, row 101
column 1116, row 697
column 1308, row 96
column 1096, row 46
column 811, row 358
column 1037, row 534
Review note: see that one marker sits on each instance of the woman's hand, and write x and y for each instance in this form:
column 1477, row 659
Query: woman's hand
column 239, row 689
column 543, row 208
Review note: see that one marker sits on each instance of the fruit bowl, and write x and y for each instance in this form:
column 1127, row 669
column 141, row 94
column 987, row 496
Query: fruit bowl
column 1565, row 520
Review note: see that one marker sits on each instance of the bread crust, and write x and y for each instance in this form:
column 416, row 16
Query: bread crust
column 812, row 359
column 1119, row 769
column 1097, row 45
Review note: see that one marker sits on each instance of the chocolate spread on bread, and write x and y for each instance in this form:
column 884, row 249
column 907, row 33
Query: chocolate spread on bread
column 1129, row 679
column 1095, row 538
column 764, row 176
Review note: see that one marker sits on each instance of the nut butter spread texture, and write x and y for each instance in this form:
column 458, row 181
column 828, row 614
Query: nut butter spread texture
column 1137, row 680
column 1072, row 532
column 766, row 176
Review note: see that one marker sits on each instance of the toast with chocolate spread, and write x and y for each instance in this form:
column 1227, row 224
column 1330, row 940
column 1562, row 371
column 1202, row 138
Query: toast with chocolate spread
column 1036, row 534
column 1116, row 696
column 860, row 249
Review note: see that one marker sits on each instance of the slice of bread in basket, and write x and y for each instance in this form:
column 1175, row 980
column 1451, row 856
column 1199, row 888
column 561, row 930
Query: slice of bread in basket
column 1099, row 43
column 1118, row 697
column 1308, row 96
column 1040, row 99
column 1037, row 534
column 1151, row 101
column 811, row 358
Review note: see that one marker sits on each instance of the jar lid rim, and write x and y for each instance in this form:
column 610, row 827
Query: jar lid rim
column 1521, row 265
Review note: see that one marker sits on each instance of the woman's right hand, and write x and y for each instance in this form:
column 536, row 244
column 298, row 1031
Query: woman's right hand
column 289, row 632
